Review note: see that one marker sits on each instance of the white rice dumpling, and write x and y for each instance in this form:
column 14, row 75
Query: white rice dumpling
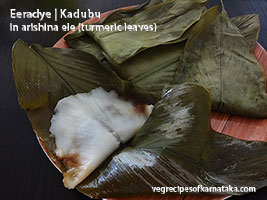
column 88, row 127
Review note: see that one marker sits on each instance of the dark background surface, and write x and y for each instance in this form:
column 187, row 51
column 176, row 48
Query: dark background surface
column 25, row 171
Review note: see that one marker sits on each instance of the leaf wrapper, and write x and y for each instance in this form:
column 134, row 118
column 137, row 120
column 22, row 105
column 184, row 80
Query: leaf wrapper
column 152, row 69
column 84, row 42
column 249, row 26
column 155, row 67
column 81, row 41
column 217, row 57
column 177, row 146
column 173, row 18
column 43, row 76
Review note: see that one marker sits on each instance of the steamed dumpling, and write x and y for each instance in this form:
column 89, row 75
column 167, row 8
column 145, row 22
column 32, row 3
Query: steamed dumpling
column 88, row 127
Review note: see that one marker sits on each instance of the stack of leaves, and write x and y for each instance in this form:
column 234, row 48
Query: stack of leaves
column 176, row 146
column 215, row 52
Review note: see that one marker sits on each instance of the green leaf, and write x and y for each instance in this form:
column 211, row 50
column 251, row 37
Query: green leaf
column 218, row 58
column 173, row 18
column 81, row 41
column 249, row 26
column 43, row 76
column 177, row 146
column 125, row 13
column 153, row 68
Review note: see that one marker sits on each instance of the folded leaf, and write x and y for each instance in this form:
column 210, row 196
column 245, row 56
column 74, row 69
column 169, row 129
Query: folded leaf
column 249, row 26
column 172, row 17
column 43, row 76
column 126, row 13
column 177, row 146
column 153, row 68
column 218, row 58
column 81, row 41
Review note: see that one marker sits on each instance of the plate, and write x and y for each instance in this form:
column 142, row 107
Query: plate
column 239, row 127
